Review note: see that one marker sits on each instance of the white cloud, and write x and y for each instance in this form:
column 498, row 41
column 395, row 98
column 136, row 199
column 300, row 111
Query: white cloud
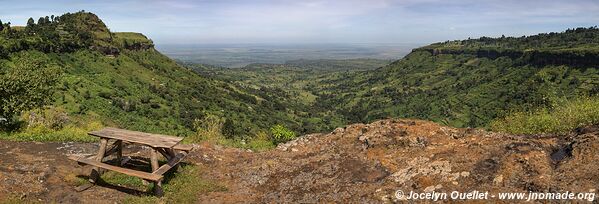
column 320, row 20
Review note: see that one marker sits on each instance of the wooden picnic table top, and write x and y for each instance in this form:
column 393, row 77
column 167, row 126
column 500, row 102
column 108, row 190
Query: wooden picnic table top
column 153, row 140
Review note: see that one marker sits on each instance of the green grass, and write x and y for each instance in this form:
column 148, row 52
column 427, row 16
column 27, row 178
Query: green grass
column 43, row 134
column 132, row 36
column 14, row 199
column 182, row 187
column 259, row 142
column 560, row 119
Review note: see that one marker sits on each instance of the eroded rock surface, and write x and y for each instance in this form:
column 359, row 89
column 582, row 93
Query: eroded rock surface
column 367, row 163
column 361, row 163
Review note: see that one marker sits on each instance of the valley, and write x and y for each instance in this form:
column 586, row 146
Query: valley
column 334, row 124
column 469, row 83
column 240, row 55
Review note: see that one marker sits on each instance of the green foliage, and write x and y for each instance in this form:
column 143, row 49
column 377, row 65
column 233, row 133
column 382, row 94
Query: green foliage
column 76, row 133
column 50, row 118
column 338, row 65
column 26, row 82
column 132, row 41
column 119, row 79
column 460, row 83
column 182, row 187
column 209, row 129
column 281, row 134
column 228, row 129
column 562, row 118
column 586, row 38
column 260, row 142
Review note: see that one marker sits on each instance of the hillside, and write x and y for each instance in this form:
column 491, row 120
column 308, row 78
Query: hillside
column 289, row 86
column 86, row 76
column 468, row 83
column 472, row 84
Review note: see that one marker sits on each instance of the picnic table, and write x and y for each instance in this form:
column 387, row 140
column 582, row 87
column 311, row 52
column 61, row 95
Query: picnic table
column 168, row 146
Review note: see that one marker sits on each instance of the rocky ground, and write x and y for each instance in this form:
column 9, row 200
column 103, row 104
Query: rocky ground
column 361, row 163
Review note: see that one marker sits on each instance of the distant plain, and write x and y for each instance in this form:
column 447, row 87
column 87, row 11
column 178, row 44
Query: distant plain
column 240, row 55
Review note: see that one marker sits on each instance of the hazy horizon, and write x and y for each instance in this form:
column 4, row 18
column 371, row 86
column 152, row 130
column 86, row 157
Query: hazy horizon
column 240, row 55
column 319, row 21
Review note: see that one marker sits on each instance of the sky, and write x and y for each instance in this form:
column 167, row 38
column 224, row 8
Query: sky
column 319, row 21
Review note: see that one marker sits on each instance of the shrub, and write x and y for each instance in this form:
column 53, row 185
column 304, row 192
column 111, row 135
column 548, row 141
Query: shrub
column 560, row 119
column 126, row 105
column 281, row 134
column 105, row 94
column 49, row 118
column 208, row 128
column 260, row 141
column 228, row 128
column 27, row 84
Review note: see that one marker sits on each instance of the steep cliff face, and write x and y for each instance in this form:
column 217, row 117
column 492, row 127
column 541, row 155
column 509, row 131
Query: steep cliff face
column 573, row 47
column 469, row 83
column 532, row 57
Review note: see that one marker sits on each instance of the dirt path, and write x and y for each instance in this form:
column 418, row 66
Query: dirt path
column 362, row 163
column 40, row 171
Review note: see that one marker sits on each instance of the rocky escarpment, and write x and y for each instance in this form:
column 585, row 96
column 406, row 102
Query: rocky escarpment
column 523, row 57
column 361, row 163
column 368, row 163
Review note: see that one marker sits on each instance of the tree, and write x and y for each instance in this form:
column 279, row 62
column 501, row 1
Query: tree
column 228, row 128
column 1, row 25
column 26, row 84
column 30, row 23
column 29, row 29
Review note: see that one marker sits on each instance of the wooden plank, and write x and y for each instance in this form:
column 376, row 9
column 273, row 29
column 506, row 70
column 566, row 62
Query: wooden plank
column 164, row 153
column 119, row 152
column 113, row 149
column 171, row 153
column 171, row 163
column 130, row 172
column 125, row 160
column 157, row 184
column 153, row 140
column 96, row 172
column 154, row 159
column 183, row 147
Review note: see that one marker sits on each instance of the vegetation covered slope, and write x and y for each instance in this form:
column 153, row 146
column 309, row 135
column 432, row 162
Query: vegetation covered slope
column 287, row 86
column 471, row 82
column 465, row 83
column 116, row 79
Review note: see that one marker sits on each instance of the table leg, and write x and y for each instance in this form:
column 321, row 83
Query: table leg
column 154, row 161
column 95, row 173
column 173, row 155
column 164, row 153
column 119, row 152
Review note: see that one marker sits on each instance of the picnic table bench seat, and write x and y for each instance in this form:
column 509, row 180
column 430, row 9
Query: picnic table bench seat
column 168, row 146
column 140, row 174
